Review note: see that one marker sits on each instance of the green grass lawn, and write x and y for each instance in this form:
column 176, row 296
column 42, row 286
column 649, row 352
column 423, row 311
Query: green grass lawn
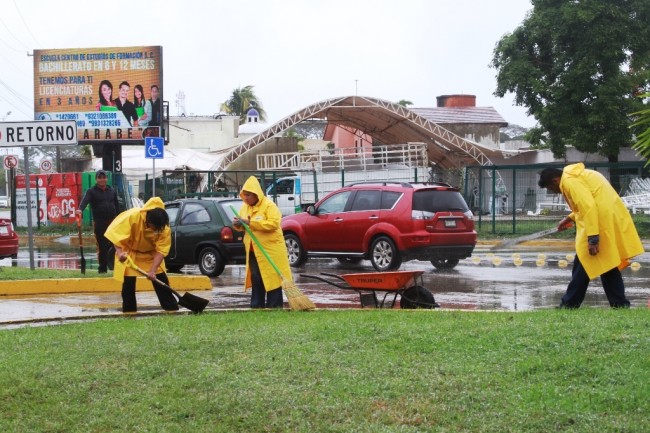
column 586, row 370
column 21, row 273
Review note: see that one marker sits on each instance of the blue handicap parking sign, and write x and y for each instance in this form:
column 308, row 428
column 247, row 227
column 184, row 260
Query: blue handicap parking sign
column 154, row 147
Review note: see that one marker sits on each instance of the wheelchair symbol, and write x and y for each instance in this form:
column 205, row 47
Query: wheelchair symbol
column 153, row 150
column 154, row 147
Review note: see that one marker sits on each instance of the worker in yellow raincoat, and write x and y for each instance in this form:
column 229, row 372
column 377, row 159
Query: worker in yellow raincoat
column 605, row 234
column 263, row 218
column 144, row 236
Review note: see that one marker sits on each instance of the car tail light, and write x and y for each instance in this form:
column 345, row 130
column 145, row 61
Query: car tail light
column 227, row 235
column 6, row 230
column 422, row 215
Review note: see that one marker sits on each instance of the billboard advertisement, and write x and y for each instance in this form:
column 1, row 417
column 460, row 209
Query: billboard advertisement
column 54, row 198
column 113, row 94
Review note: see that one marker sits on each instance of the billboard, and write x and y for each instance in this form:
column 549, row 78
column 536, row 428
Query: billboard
column 113, row 94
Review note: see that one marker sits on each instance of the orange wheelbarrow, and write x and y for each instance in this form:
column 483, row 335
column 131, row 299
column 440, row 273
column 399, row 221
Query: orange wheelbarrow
column 406, row 284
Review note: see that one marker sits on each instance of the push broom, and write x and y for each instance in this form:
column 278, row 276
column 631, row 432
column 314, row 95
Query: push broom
column 298, row 301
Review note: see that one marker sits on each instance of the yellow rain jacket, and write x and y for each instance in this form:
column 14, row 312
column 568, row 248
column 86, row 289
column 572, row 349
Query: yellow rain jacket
column 129, row 231
column 597, row 209
column 265, row 225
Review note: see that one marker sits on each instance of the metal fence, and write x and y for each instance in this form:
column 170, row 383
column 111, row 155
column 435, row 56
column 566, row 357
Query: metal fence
column 507, row 200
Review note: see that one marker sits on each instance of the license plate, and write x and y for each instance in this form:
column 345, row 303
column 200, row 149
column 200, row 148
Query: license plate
column 3, row 230
column 450, row 223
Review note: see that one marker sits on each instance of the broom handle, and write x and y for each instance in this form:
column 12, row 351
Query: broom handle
column 132, row 265
column 257, row 242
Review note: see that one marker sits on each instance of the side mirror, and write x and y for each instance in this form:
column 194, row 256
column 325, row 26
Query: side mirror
column 311, row 210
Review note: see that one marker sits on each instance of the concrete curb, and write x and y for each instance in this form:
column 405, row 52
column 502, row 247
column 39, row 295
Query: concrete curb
column 96, row 285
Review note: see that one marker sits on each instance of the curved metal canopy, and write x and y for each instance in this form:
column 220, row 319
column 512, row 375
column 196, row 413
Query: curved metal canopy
column 385, row 121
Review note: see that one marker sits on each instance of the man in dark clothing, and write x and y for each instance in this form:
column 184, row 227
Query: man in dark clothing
column 155, row 107
column 125, row 106
column 102, row 199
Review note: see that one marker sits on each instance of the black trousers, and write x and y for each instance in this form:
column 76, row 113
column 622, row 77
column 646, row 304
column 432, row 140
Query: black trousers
column 167, row 300
column 260, row 298
column 612, row 283
column 103, row 245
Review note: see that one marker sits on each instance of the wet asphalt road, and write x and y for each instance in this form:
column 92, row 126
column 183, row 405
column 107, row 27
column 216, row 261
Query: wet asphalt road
column 522, row 279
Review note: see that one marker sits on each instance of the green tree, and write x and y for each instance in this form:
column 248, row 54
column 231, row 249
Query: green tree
column 241, row 100
column 404, row 102
column 577, row 66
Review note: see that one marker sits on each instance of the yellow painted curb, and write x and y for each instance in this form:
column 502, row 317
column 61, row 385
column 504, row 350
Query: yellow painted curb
column 92, row 285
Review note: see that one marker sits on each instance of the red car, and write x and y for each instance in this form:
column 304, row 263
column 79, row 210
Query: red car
column 8, row 239
column 386, row 223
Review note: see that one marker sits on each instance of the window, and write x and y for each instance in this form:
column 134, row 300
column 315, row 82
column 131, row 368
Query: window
column 194, row 213
column 389, row 198
column 367, row 200
column 173, row 213
column 284, row 186
column 439, row 201
column 335, row 203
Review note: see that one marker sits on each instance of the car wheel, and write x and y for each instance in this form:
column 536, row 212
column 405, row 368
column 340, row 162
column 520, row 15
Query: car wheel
column 384, row 255
column 295, row 251
column 349, row 260
column 418, row 297
column 444, row 263
column 210, row 262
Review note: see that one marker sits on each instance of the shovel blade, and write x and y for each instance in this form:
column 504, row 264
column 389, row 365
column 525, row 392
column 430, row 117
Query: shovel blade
column 192, row 302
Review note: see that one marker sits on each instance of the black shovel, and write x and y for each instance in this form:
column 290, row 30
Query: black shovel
column 191, row 302
column 81, row 245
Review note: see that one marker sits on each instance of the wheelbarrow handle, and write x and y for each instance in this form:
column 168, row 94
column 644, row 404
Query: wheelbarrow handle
column 326, row 280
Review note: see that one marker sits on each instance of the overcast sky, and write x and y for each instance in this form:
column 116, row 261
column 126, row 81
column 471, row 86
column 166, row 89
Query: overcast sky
column 294, row 52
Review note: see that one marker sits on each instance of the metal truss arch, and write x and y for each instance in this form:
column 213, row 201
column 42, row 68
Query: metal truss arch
column 388, row 122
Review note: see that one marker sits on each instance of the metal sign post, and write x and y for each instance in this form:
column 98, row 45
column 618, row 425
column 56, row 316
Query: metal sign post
column 28, row 208
column 154, row 148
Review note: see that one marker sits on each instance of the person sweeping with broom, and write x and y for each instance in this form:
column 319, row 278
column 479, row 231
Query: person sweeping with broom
column 143, row 236
column 267, row 260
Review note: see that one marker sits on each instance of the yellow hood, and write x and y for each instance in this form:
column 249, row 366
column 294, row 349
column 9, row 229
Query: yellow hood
column 252, row 185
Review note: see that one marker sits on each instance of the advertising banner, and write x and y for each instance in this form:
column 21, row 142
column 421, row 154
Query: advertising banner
column 38, row 198
column 54, row 197
column 113, row 94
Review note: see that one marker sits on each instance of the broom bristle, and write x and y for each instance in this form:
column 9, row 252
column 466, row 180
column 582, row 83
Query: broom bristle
column 298, row 301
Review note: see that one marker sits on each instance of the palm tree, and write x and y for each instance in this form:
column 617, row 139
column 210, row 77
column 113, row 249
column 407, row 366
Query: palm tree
column 241, row 100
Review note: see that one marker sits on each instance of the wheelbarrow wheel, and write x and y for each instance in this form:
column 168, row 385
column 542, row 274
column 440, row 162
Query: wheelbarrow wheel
column 418, row 297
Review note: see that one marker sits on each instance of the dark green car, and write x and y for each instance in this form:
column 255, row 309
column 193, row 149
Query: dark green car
column 202, row 235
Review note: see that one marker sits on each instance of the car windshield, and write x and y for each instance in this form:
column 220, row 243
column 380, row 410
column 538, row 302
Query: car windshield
column 439, row 201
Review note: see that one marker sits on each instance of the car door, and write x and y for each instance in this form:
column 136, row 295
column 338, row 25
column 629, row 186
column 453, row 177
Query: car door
column 323, row 231
column 363, row 214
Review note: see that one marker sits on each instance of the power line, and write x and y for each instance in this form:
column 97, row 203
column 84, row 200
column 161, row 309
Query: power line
column 26, row 26
column 12, row 34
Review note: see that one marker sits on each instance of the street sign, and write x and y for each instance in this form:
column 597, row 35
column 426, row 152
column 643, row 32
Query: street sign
column 38, row 133
column 46, row 165
column 10, row 161
column 154, row 147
